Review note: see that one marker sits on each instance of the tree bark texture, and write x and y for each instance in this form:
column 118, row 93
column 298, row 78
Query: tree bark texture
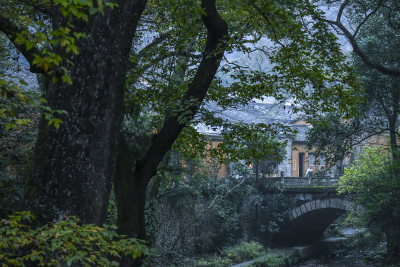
column 393, row 241
column 131, row 202
column 74, row 165
column 129, row 193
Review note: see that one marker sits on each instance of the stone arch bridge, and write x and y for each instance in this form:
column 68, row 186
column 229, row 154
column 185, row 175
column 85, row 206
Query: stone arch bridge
column 312, row 205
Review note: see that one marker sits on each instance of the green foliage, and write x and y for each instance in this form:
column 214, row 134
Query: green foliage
column 214, row 261
column 112, row 213
column 301, row 61
column 13, row 91
column 212, row 205
column 273, row 207
column 252, row 142
column 376, row 182
column 334, row 137
column 45, row 46
column 268, row 261
column 272, row 260
column 365, row 240
column 63, row 243
column 336, row 133
column 138, row 131
column 11, row 195
column 378, row 35
column 244, row 251
column 41, row 38
column 380, row 90
column 241, row 252
column 302, row 55
column 16, row 147
column 19, row 101
column 191, row 212
column 12, row 100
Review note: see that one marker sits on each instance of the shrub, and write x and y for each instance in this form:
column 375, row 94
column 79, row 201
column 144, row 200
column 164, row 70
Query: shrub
column 244, row 251
column 213, row 262
column 62, row 243
column 375, row 181
column 269, row 261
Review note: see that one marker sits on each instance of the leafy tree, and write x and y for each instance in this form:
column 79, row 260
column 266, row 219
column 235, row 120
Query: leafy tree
column 379, row 112
column 83, row 49
column 75, row 44
column 360, row 14
column 166, row 73
column 375, row 174
column 375, row 181
column 194, row 214
column 381, row 90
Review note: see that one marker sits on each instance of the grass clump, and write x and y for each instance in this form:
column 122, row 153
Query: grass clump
column 215, row 261
column 244, row 251
column 272, row 260
column 241, row 252
column 269, row 261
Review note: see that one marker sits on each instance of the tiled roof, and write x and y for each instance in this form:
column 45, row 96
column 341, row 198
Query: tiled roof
column 254, row 113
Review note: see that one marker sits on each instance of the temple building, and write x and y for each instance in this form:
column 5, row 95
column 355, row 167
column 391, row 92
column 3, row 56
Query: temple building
column 297, row 159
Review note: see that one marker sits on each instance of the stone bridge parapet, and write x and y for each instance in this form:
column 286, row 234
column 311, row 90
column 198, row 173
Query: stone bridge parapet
column 300, row 181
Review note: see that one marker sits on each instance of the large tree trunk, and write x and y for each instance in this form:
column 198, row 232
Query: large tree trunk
column 136, row 175
column 74, row 165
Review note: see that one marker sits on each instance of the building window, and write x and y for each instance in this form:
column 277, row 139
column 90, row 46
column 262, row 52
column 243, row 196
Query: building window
column 321, row 161
column 311, row 159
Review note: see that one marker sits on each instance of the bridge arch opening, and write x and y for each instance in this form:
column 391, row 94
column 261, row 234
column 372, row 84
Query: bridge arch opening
column 307, row 222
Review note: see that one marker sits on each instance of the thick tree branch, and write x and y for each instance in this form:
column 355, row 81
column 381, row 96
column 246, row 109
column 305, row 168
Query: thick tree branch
column 217, row 33
column 148, row 48
column 139, row 70
column 341, row 9
column 42, row 7
column 11, row 29
column 155, row 42
column 390, row 19
column 143, row 68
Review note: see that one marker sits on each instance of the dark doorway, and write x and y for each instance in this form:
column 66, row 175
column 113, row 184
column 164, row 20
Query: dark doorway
column 301, row 164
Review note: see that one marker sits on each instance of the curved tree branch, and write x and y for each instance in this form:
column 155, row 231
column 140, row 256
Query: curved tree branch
column 269, row 23
column 40, row 6
column 366, row 18
column 217, row 33
column 352, row 39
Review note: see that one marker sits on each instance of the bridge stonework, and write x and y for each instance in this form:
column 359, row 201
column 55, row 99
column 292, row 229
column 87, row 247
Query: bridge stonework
column 310, row 209
column 334, row 203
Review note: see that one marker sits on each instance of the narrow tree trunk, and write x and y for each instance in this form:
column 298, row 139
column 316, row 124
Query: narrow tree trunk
column 256, row 206
column 130, row 193
column 392, row 133
column 131, row 202
column 392, row 230
column 73, row 165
